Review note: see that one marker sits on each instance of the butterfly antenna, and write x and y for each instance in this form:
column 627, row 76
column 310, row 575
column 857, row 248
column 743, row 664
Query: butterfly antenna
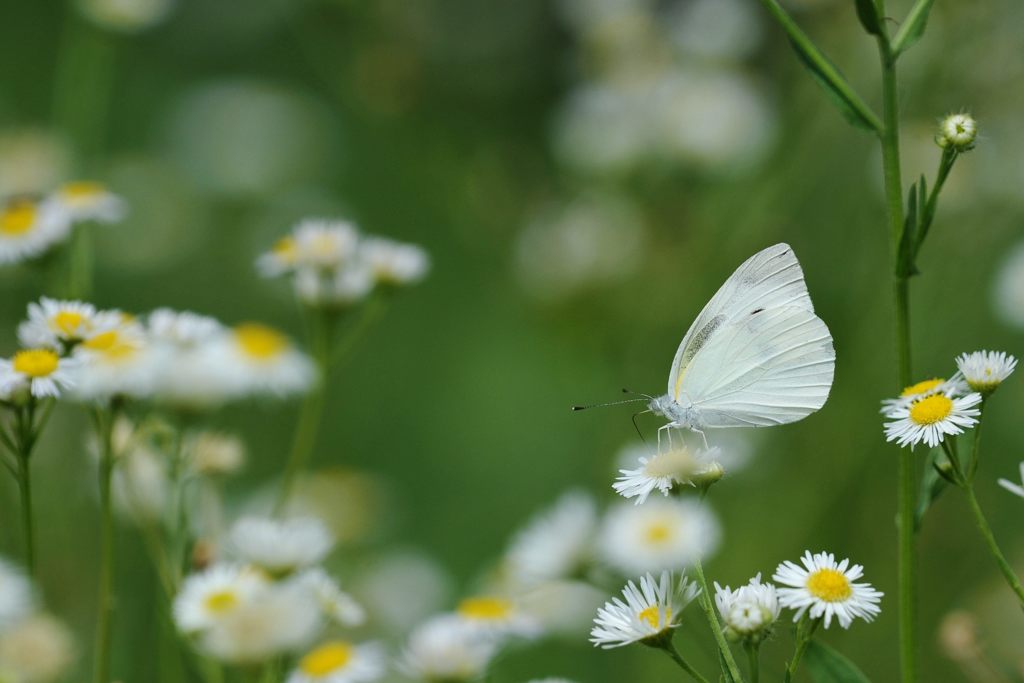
column 613, row 403
column 637, row 427
column 637, row 393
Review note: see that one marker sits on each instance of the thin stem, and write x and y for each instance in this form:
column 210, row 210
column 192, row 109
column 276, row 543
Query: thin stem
column 972, row 467
column 671, row 651
column 28, row 525
column 990, row 541
column 104, row 621
column 754, row 661
column 804, row 632
column 716, row 628
column 80, row 263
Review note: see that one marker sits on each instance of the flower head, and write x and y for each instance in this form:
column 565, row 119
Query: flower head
column 28, row 228
column 253, row 359
column 645, row 613
column 958, row 131
column 952, row 387
column 984, row 371
column 281, row 546
column 497, row 615
column 556, row 544
column 446, row 648
column 931, row 419
column 40, row 371
column 394, row 263
column 826, row 588
column 59, row 325
column 87, row 200
column 16, row 595
column 339, row 661
column 210, row 596
column 749, row 611
column 663, row 533
column 663, row 471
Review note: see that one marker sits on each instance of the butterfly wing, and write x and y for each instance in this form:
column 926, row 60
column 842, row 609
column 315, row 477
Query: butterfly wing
column 771, row 278
column 773, row 367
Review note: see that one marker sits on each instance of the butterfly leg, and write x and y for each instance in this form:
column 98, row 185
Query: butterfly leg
column 703, row 437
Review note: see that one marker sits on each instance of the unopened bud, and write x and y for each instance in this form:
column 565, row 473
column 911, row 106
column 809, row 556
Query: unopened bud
column 958, row 132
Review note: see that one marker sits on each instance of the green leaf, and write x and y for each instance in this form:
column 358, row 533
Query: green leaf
column 933, row 483
column 913, row 26
column 905, row 266
column 868, row 15
column 846, row 106
column 828, row 666
column 726, row 676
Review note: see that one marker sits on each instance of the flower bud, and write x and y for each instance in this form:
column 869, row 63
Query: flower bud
column 957, row 132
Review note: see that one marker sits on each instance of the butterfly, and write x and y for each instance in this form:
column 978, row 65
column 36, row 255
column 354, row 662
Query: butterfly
column 756, row 356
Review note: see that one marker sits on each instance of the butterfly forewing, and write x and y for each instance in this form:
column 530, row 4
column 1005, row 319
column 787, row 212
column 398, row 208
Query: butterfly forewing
column 769, row 279
column 773, row 367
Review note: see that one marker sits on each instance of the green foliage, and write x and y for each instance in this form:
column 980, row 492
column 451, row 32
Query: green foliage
column 867, row 13
column 828, row 666
column 913, row 27
column 838, row 92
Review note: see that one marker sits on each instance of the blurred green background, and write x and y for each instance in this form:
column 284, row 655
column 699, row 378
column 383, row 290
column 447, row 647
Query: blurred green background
column 584, row 176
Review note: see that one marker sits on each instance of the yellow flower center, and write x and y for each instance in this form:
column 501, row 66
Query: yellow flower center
column 652, row 616
column 18, row 218
column 285, row 249
column 104, row 341
column 931, row 409
column 677, row 463
column 829, row 585
column 485, row 608
column 922, row 387
column 82, row 190
column 35, row 362
column 68, row 322
column 327, row 659
column 658, row 532
column 259, row 341
column 221, row 601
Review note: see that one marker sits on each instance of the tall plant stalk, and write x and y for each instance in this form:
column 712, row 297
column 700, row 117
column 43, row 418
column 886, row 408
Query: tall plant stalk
column 104, row 420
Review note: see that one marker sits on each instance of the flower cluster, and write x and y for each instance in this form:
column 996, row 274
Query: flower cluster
column 30, row 226
column 178, row 359
column 272, row 597
column 333, row 265
column 933, row 409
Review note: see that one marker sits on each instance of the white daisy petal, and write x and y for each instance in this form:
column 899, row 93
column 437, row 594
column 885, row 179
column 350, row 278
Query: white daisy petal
column 826, row 590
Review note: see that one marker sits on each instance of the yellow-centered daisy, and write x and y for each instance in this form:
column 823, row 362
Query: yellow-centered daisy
column 826, row 589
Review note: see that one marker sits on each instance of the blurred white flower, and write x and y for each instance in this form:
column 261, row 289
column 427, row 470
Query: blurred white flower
column 562, row 608
column 604, row 126
column 497, row 616
column 645, row 613
column 126, row 15
column 32, row 160
column 281, row 546
column 402, row 588
column 715, row 29
column 827, row 589
column 590, row 241
column 86, row 200
column 750, row 610
column 663, row 533
column 342, row 287
column 394, row 263
column 16, row 595
column 40, row 372
column 664, row 471
column 28, row 228
column 556, row 544
column 254, row 359
column 210, row 596
column 38, row 649
column 118, row 361
column 446, row 648
column 337, row 605
column 213, row 453
column 141, row 483
column 339, row 661
column 1008, row 292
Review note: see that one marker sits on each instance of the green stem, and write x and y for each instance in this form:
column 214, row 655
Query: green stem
column 822, row 65
column 28, row 526
column 907, row 494
column 972, row 467
column 754, row 661
column 80, row 263
column 104, row 621
column 805, row 631
column 990, row 541
column 671, row 651
column 707, row 604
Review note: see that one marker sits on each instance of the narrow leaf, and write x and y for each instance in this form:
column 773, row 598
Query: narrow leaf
column 868, row 15
column 905, row 266
column 933, row 483
column 913, row 26
column 846, row 106
column 828, row 666
column 726, row 676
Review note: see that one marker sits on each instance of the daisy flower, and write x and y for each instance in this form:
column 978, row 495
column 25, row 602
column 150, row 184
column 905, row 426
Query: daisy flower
column 256, row 359
column 340, row 661
column 117, row 361
column 281, row 258
column 208, row 597
column 317, row 243
column 663, row 471
column 394, row 263
column 750, row 610
column 41, row 371
column 211, row 453
column 645, row 613
column 826, row 589
column 931, row 419
column 952, row 387
column 37, row 649
column 497, row 616
column 984, row 371
column 86, row 200
column 664, row 533
column 281, row 546
column 556, row 544
column 27, row 229
column 339, row 287
column 183, row 329
column 445, row 648
column 57, row 324
column 1015, row 489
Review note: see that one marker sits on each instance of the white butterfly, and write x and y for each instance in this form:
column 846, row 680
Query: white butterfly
column 756, row 356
